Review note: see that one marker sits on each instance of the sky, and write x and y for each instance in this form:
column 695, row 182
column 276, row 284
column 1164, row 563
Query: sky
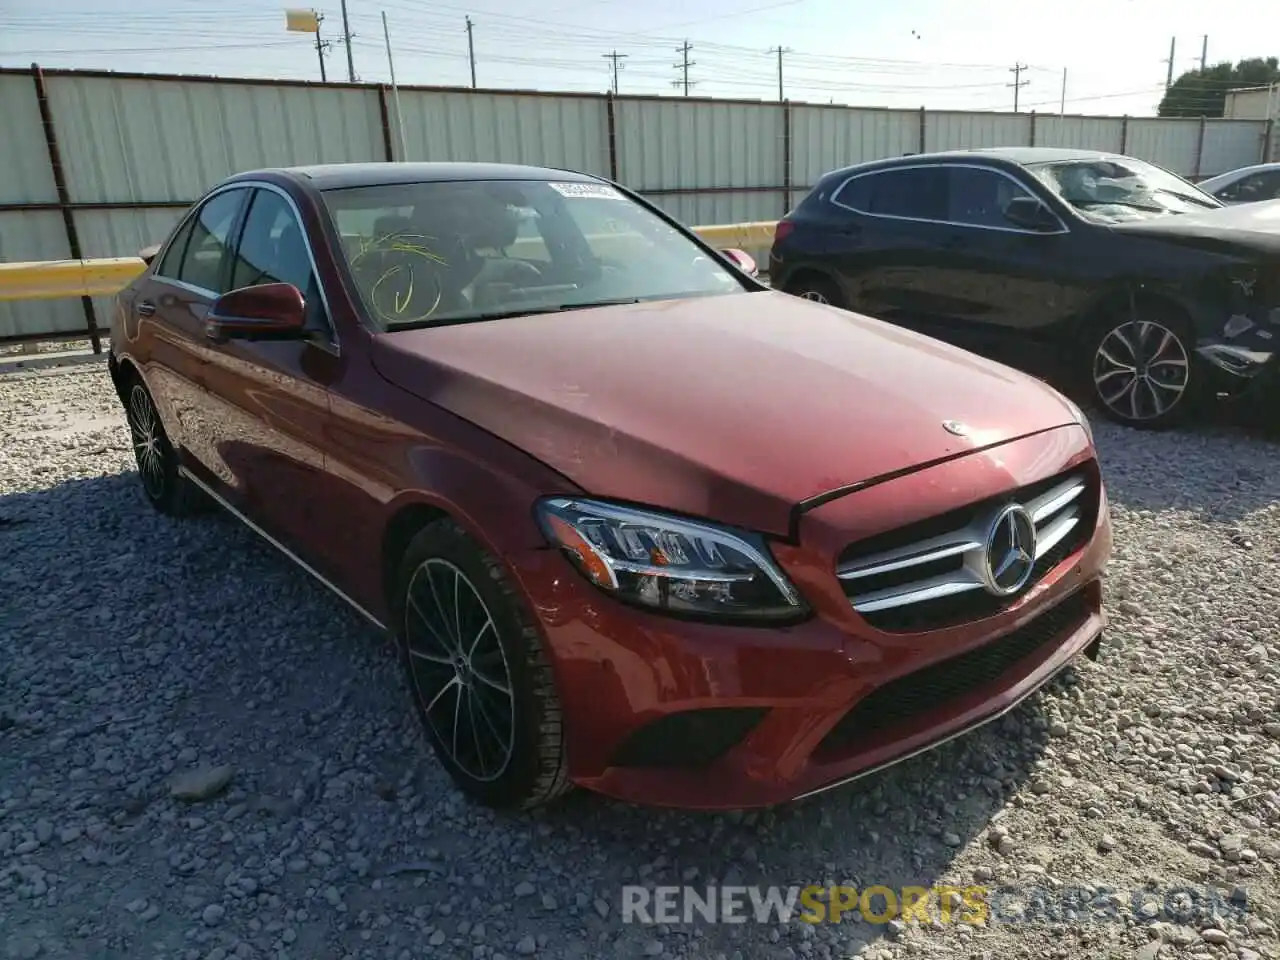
column 943, row 54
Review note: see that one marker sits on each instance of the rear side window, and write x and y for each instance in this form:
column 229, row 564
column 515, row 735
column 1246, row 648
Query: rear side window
column 918, row 193
column 208, row 254
column 169, row 266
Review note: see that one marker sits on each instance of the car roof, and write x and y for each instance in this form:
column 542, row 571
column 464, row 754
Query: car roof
column 1006, row 156
column 1242, row 171
column 336, row 176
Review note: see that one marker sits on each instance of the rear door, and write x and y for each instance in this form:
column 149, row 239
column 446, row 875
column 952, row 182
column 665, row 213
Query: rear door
column 171, row 303
column 890, row 242
column 269, row 399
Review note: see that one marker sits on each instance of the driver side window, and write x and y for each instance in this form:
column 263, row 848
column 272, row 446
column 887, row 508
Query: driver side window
column 1264, row 185
column 978, row 198
column 273, row 249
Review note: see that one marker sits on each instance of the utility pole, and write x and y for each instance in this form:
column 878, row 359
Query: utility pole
column 780, row 51
column 395, row 90
column 346, row 38
column 684, row 66
column 1204, row 53
column 321, row 46
column 1018, row 82
column 471, row 52
column 1062, row 106
column 615, row 57
column 1173, row 50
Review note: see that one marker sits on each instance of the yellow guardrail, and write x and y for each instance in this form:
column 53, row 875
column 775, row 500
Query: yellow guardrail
column 54, row 279
column 744, row 235
column 50, row 279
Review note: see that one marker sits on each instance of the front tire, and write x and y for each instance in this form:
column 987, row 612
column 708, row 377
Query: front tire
column 819, row 289
column 163, row 483
column 1141, row 369
column 474, row 664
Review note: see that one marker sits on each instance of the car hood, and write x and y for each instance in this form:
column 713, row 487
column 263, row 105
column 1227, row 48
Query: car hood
column 1252, row 225
column 734, row 407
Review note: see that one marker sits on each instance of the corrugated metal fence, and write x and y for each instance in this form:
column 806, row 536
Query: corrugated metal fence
column 97, row 164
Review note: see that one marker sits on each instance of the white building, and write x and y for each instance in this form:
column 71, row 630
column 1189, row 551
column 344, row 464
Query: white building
column 1253, row 103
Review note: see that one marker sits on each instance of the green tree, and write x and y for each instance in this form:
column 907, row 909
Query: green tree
column 1203, row 93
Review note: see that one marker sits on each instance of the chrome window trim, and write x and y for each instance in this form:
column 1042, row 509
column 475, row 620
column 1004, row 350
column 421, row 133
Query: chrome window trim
column 334, row 346
column 193, row 212
column 949, row 223
column 183, row 285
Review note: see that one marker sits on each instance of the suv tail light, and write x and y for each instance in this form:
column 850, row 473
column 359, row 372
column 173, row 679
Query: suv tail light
column 782, row 230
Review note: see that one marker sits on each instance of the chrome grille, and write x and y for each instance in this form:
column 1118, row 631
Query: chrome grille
column 937, row 571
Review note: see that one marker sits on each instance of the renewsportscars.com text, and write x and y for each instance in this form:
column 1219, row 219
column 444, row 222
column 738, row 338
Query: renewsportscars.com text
column 973, row 905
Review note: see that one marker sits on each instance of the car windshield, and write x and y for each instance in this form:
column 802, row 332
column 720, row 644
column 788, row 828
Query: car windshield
column 1111, row 189
column 466, row 251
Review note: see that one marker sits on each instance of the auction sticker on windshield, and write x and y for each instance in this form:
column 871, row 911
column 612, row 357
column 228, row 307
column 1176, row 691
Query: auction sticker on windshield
column 599, row 191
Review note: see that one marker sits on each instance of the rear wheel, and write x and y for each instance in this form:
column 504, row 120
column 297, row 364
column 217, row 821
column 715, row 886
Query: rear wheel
column 819, row 289
column 1142, row 370
column 480, row 682
column 163, row 483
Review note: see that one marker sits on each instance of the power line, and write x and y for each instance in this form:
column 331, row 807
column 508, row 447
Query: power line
column 1018, row 82
column 732, row 70
column 615, row 56
column 26, row 52
column 684, row 66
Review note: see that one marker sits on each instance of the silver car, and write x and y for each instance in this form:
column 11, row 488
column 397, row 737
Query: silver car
column 1246, row 185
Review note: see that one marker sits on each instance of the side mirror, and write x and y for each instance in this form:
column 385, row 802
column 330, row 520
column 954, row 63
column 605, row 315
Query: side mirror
column 743, row 260
column 1030, row 214
column 147, row 254
column 270, row 311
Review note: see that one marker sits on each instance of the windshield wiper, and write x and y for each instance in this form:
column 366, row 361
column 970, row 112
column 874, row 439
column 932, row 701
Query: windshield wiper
column 510, row 314
column 1188, row 198
column 1147, row 208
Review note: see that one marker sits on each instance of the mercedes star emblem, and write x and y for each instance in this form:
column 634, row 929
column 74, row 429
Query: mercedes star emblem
column 1011, row 551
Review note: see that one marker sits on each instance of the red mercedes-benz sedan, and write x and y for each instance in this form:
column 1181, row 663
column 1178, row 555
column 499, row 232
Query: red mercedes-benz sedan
column 636, row 521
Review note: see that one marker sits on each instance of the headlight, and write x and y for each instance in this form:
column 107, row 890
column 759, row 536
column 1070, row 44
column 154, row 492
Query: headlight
column 669, row 563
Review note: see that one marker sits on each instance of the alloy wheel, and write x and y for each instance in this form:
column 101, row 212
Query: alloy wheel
column 814, row 295
column 459, row 669
column 148, row 440
column 1141, row 370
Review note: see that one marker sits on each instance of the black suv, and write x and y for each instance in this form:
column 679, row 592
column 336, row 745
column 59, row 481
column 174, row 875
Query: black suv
column 1152, row 292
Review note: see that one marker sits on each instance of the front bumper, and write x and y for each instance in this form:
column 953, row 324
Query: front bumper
column 786, row 692
column 1243, row 349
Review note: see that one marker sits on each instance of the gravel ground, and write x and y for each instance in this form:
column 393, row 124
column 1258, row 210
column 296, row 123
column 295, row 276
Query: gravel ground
column 137, row 650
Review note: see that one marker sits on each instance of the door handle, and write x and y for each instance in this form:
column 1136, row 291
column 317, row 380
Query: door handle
column 146, row 308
